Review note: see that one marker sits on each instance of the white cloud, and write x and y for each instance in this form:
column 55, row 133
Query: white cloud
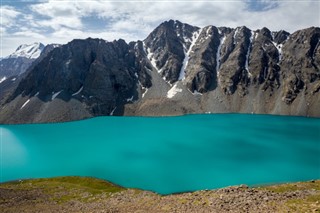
column 54, row 9
column 288, row 15
column 2, row 30
column 8, row 16
column 28, row 33
column 61, row 21
column 58, row 14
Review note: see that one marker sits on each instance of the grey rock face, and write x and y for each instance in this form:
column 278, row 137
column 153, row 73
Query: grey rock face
column 280, row 36
column 264, row 60
column 142, row 64
column 167, row 45
column 14, row 66
column 300, row 64
column 99, row 73
column 202, row 70
column 177, row 69
column 233, row 71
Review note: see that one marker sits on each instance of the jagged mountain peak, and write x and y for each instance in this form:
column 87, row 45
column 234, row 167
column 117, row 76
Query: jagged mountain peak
column 173, row 29
column 280, row 36
column 174, row 24
column 167, row 45
column 30, row 51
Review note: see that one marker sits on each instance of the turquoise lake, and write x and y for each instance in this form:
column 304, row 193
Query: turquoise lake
column 167, row 154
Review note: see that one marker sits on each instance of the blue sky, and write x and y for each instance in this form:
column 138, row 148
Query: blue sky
column 60, row 21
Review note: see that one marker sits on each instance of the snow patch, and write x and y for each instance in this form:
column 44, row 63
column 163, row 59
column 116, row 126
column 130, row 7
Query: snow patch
column 31, row 51
column 234, row 35
column 3, row 79
column 195, row 37
column 25, row 103
column 150, row 57
column 196, row 93
column 186, row 40
column 76, row 93
column 145, row 92
column 256, row 34
column 36, row 94
column 68, row 62
column 173, row 91
column 111, row 113
column 142, row 87
column 136, row 46
column 222, row 40
column 248, row 54
column 13, row 79
column 55, row 95
column 279, row 48
column 130, row 99
column 163, row 67
column 207, row 32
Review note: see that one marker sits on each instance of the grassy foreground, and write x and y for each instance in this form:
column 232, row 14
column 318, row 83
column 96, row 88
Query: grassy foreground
column 82, row 194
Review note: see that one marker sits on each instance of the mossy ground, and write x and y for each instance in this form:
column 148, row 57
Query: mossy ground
column 310, row 203
column 290, row 187
column 84, row 194
column 64, row 189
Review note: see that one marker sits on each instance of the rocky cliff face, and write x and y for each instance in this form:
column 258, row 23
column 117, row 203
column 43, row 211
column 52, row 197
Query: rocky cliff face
column 177, row 69
column 100, row 74
column 166, row 47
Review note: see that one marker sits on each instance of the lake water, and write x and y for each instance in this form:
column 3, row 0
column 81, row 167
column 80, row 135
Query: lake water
column 168, row 154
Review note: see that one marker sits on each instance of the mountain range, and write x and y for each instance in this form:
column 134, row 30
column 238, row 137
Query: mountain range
column 178, row 69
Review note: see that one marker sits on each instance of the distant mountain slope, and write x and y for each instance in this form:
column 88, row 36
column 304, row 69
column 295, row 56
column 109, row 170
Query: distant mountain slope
column 28, row 51
column 15, row 66
column 19, row 61
column 177, row 69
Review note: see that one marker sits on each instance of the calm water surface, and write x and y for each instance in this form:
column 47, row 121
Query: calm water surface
column 169, row 154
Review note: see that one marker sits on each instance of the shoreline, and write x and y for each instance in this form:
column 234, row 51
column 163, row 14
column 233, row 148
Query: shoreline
column 159, row 117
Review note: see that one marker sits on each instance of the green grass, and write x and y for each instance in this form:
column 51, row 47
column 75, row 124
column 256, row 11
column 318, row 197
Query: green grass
column 290, row 187
column 309, row 204
column 91, row 184
column 63, row 189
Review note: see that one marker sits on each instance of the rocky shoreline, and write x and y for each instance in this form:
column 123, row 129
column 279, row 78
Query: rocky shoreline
column 78, row 194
